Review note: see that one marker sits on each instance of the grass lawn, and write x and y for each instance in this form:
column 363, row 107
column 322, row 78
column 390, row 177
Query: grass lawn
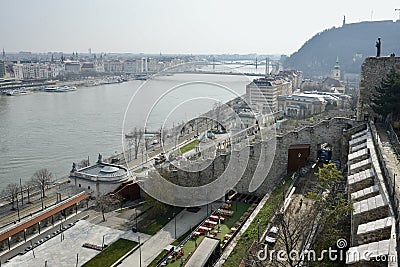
column 238, row 207
column 151, row 227
column 139, row 170
column 112, row 253
column 188, row 146
column 188, row 247
column 265, row 215
column 175, row 243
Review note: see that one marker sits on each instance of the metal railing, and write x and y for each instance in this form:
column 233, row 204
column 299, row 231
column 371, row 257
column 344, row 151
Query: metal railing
column 394, row 139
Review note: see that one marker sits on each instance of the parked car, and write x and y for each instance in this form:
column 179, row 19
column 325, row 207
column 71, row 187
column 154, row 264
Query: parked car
column 272, row 235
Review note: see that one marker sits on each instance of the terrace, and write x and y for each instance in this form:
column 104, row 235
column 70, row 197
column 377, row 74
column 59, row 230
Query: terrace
column 222, row 224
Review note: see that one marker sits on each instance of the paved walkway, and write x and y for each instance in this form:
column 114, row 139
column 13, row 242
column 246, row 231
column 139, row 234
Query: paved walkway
column 391, row 160
column 59, row 252
column 156, row 244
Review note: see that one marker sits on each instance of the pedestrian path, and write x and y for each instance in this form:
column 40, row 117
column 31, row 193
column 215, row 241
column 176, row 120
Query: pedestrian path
column 63, row 252
column 185, row 220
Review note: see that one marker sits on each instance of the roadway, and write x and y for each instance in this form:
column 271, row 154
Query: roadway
column 27, row 210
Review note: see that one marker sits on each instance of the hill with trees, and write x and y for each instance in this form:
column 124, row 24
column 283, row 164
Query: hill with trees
column 351, row 43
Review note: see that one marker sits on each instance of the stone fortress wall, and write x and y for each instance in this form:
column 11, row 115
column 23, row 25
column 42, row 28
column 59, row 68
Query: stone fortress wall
column 332, row 131
column 373, row 70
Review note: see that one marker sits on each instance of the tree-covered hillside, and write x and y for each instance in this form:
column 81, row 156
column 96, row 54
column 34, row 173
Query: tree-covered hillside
column 352, row 43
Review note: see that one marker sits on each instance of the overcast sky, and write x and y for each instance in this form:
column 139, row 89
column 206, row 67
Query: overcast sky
column 177, row 26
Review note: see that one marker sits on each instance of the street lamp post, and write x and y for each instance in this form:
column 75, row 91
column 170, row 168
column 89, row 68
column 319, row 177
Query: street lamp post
column 175, row 223
column 258, row 230
column 33, row 251
column 136, row 218
column 19, row 219
column 140, row 252
column 394, row 183
column 42, row 198
column 22, row 195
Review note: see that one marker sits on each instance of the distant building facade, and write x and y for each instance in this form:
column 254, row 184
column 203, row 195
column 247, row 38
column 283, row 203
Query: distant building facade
column 294, row 76
column 113, row 66
column 73, row 67
column 263, row 93
column 336, row 70
column 301, row 105
column 2, row 69
column 249, row 118
column 306, row 104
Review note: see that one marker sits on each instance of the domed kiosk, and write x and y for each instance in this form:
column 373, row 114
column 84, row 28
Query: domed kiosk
column 99, row 179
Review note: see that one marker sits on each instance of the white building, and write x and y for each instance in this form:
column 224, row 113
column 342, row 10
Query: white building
column 18, row 71
column 336, row 70
column 302, row 105
column 131, row 66
column 99, row 179
column 262, row 94
column 113, row 66
column 72, row 67
column 249, row 119
column 55, row 69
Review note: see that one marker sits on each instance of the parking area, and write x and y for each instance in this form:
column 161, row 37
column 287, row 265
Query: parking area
column 64, row 247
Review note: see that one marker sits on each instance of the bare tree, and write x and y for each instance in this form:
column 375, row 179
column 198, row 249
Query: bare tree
column 294, row 227
column 163, row 136
column 41, row 179
column 130, row 146
column 84, row 163
column 135, row 140
column 217, row 110
column 103, row 204
column 11, row 193
column 29, row 185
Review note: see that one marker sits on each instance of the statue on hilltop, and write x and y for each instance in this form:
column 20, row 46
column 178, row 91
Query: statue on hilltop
column 378, row 47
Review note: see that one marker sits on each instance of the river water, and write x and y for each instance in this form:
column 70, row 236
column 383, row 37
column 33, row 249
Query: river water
column 52, row 130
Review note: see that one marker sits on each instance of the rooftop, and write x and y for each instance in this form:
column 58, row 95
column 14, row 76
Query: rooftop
column 369, row 204
column 104, row 170
column 203, row 252
column 360, row 253
column 375, row 225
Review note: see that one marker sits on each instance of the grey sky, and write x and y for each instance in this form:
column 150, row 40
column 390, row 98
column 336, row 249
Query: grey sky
column 177, row 26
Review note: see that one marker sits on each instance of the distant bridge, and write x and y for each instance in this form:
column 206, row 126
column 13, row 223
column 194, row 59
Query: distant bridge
column 220, row 73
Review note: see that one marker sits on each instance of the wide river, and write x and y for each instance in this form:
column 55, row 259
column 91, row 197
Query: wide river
column 52, row 130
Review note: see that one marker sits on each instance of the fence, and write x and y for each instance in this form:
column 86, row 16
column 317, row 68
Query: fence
column 394, row 139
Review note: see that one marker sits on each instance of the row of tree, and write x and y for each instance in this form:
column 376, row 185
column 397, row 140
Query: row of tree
column 39, row 181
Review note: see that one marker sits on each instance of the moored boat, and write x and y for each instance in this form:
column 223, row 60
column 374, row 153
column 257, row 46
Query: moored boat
column 12, row 92
column 57, row 89
column 51, row 88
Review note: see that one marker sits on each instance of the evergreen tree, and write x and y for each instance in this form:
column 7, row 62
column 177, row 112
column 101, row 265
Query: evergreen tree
column 386, row 98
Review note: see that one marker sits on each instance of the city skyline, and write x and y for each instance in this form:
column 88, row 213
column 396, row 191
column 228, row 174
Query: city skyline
column 176, row 27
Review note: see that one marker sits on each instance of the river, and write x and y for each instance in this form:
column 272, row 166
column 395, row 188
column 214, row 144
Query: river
column 52, row 130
